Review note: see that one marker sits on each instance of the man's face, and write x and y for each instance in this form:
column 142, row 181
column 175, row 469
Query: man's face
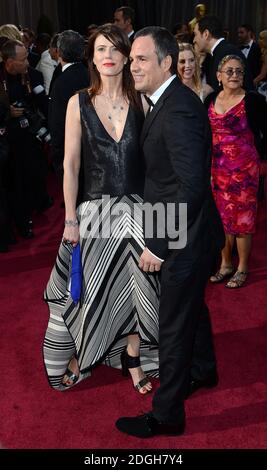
column 244, row 36
column 200, row 39
column 53, row 51
column 20, row 63
column 148, row 74
column 119, row 20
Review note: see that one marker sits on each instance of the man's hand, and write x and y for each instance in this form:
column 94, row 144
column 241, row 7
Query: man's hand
column 148, row 262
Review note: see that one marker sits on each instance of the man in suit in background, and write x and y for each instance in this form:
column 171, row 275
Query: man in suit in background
column 176, row 140
column 74, row 77
column 209, row 37
column 250, row 48
column 53, row 51
column 124, row 19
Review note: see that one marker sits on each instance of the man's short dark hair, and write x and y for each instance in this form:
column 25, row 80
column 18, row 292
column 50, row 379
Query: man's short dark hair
column 248, row 27
column 127, row 13
column 43, row 40
column 213, row 24
column 165, row 44
column 71, row 46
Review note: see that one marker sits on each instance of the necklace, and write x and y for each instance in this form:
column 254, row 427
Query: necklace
column 112, row 110
column 117, row 105
column 115, row 110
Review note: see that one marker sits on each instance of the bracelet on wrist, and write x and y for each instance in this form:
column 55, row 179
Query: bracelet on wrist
column 71, row 223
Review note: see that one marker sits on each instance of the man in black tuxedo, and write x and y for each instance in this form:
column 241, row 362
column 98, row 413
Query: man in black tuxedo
column 208, row 35
column 176, row 140
column 250, row 48
column 74, row 77
column 124, row 19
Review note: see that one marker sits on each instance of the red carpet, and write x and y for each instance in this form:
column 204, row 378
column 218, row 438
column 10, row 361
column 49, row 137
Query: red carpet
column 234, row 415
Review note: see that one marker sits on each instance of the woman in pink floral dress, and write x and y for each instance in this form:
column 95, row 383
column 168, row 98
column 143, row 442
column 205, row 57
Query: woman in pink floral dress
column 235, row 165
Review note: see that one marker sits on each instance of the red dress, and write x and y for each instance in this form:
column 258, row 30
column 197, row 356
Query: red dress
column 235, row 169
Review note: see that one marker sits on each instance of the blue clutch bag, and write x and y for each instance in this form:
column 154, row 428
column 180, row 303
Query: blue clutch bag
column 76, row 274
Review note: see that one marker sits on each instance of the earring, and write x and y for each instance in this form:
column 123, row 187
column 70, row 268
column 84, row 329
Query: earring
column 219, row 81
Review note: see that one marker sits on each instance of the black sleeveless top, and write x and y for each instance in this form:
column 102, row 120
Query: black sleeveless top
column 109, row 167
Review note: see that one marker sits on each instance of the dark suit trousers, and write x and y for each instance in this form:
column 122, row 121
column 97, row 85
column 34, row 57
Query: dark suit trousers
column 185, row 337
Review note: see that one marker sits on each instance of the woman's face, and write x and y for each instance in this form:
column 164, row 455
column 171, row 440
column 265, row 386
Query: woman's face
column 186, row 65
column 231, row 75
column 107, row 59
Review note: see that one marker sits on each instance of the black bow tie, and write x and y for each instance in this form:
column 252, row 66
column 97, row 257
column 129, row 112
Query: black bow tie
column 149, row 101
column 245, row 47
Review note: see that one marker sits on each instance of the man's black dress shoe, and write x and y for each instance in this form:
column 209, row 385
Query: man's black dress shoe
column 148, row 426
column 210, row 381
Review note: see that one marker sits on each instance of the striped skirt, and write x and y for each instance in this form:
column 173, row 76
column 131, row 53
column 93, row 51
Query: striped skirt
column 117, row 299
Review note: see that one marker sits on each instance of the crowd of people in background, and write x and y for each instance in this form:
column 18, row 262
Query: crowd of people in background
column 32, row 82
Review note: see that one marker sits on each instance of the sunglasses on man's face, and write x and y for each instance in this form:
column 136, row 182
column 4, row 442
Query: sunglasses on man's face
column 230, row 72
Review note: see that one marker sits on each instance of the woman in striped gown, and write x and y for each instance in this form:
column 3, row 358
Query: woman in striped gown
column 116, row 320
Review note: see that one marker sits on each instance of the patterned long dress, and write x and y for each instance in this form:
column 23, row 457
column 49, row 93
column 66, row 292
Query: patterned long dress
column 235, row 169
column 117, row 297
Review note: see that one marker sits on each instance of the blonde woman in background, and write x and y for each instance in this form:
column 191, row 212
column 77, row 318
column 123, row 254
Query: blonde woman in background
column 10, row 31
column 189, row 70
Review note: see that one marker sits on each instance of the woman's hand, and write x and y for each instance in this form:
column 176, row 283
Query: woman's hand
column 71, row 234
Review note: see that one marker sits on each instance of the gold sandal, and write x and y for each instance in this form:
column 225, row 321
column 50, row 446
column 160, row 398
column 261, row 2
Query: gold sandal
column 223, row 273
column 238, row 280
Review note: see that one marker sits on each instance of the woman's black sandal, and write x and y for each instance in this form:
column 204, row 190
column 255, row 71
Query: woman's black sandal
column 130, row 362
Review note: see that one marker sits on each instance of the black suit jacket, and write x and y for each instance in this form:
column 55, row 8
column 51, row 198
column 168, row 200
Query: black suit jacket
column 220, row 51
column 176, row 140
column 56, row 73
column 74, row 78
column 254, row 59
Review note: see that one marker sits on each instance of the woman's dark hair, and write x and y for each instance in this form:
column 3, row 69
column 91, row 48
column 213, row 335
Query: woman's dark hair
column 120, row 40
